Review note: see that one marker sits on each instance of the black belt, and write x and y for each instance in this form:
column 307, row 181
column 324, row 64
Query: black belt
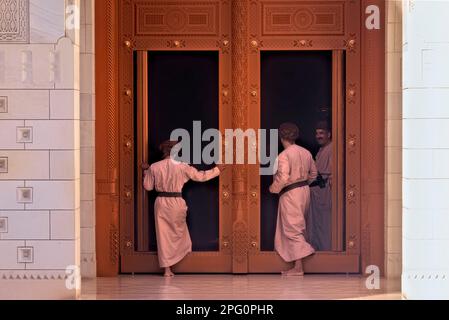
column 169, row 194
column 292, row 186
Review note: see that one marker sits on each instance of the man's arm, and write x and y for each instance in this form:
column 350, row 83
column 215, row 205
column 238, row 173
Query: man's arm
column 148, row 180
column 201, row 176
column 313, row 173
column 281, row 177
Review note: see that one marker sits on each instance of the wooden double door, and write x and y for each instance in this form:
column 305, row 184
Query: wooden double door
column 237, row 65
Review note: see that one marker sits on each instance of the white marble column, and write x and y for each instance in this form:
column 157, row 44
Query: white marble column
column 425, row 150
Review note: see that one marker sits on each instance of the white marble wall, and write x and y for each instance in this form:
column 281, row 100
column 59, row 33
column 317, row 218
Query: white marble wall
column 40, row 148
column 425, row 150
column 393, row 143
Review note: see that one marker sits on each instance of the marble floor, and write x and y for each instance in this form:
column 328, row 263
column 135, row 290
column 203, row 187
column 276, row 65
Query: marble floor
column 244, row 287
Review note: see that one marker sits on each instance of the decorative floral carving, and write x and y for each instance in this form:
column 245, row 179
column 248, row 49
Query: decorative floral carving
column 352, row 194
column 226, row 195
column 254, row 194
column 128, row 144
column 303, row 19
column 225, row 94
column 226, row 243
column 14, row 21
column 127, row 194
column 352, row 143
column 351, row 43
column 254, row 93
column 352, row 242
column 304, row 43
column 176, row 44
column 224, row 44
column 352, row 93
column 255, row 44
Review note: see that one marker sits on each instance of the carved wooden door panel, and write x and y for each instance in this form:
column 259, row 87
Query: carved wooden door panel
column 324, row 37
column 175, row 66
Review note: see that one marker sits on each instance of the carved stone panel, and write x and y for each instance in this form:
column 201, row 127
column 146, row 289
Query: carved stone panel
column 14, row 21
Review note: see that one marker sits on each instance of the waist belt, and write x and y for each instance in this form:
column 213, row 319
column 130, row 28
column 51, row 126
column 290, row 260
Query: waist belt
column 169, row 194
column 292, row 186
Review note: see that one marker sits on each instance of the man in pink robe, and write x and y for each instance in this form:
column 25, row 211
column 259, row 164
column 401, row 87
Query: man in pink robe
column 296, row 170
column 320, row 215
column 168, row 177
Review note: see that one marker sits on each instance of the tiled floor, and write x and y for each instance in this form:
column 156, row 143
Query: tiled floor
column 228, row 287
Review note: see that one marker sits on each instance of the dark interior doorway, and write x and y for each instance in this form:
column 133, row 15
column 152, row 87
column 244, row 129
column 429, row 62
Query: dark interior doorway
column 296, row 86
column 182, row 88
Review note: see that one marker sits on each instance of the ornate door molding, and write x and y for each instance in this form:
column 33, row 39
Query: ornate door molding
column 240, row 120
column 107, row 141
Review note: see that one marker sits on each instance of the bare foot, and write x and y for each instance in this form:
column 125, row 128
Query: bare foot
column 293, row 273
column 168, row 273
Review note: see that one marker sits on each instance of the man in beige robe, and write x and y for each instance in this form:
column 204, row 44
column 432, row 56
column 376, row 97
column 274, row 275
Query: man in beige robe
column 320, row 216
column 296, row 169
column 168, row 177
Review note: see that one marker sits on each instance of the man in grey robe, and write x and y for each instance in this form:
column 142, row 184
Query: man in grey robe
column 320, row 214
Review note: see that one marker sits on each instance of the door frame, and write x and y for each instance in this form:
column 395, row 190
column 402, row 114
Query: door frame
column 345, row 254
column 367, row 142
column 132, row 259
